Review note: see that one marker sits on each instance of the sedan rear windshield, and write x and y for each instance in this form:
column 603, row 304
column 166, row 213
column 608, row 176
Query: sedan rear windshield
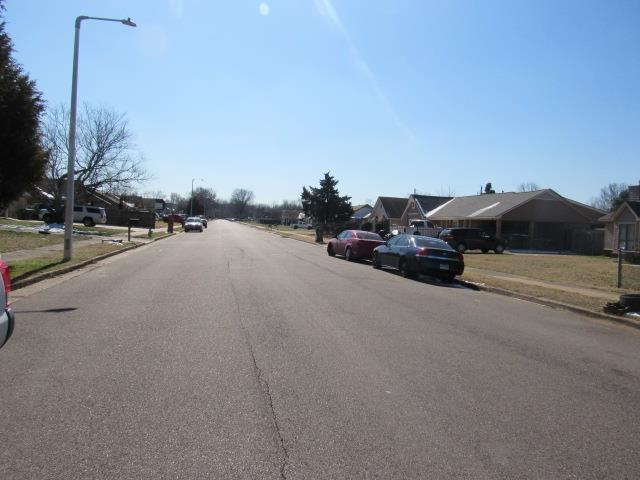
column 431, row 242
column 193, row 220
column 368, row 236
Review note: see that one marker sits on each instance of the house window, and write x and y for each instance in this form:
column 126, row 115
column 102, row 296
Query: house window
column 626, row 236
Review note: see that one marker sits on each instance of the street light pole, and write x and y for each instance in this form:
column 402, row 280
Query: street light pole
column 68, row 216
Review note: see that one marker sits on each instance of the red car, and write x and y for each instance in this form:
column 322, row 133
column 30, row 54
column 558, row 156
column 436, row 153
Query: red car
column 354, row 244
column 7, row 320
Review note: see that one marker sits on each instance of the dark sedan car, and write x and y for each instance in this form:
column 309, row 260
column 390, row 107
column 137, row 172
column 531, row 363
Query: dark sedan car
column 413, row 254
column 463, row 239
column 354, row 244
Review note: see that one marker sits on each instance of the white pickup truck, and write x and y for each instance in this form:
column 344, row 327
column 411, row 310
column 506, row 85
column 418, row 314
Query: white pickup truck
column 302, row 225
column 420, row 227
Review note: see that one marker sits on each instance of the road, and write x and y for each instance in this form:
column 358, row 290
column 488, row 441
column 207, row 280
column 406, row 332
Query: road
column 239, row 354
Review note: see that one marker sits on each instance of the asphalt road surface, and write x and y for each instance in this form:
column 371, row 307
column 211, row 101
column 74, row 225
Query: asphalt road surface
column 239, row 354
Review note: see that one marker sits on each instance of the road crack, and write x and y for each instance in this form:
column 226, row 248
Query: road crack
column 265, row 387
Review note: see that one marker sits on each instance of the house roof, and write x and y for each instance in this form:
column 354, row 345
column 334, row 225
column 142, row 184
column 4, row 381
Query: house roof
column 355, row 208
column 488, row 206
column 393, row 206
column 494, row 205
column 430, row 202
column 633, row 206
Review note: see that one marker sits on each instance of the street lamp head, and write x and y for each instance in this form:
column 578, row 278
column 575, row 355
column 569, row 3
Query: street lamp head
column 128, row 22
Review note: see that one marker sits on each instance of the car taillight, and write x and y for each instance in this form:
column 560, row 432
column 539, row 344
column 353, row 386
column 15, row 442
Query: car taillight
column 4, row 270
column 423, row 252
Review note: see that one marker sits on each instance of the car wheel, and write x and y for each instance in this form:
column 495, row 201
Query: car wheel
column 404, row 269
column 330, row 251
column 88, row 222
column 461, row 248
column 348, row 255
column 630, row 300
column 375, row 261
column 46, row 218
column 499, row 249
column 485, row 250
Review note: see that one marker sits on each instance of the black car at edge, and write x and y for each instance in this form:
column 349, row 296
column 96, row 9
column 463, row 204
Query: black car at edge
column 413, row 254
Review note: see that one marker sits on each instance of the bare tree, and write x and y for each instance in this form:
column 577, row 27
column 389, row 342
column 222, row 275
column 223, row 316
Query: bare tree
column 611, row 196
column 448, row 192
column 240, row 198
column 528, row 187
column 154, row 194
column 105, row 156
column 204, row 200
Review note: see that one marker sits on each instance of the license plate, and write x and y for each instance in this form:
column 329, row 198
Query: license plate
column 444, row 266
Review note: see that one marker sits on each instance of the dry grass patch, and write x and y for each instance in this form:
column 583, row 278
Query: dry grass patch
column 591, row 272
column 47, row 263
column 592, row 303
column 11, row 241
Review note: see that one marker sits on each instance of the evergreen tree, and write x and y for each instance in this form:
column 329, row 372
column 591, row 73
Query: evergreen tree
column 22, row 158
column 324, row 204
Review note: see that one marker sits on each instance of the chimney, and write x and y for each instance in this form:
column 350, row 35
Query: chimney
column 634, row 193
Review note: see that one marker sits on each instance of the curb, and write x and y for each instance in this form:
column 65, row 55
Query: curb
column 509, row 293
column 18, row 284
column 554, row 304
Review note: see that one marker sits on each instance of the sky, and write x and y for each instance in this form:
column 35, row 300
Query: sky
column 389, row 96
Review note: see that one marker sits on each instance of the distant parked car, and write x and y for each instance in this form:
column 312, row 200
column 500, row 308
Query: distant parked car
column 177, row 218
column 354, row 244
column 463, row 239
column 203, row 219
column 302, row 225
column 424, row 228
column 88, row 215
column 193, row 223
column 413, row 254
column 7, row 319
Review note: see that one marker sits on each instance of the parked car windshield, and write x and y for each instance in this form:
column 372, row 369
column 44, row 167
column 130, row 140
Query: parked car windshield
column 368, row 236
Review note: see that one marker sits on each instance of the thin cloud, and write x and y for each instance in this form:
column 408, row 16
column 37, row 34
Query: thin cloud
column 177, row 8
column 326, row 9
column 264, row 9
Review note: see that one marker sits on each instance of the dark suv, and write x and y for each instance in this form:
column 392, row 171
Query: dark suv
column 463, row 239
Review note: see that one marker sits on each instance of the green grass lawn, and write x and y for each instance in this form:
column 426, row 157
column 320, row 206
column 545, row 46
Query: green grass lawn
column 53, row 261
column 585, row 271
column 11, row 241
